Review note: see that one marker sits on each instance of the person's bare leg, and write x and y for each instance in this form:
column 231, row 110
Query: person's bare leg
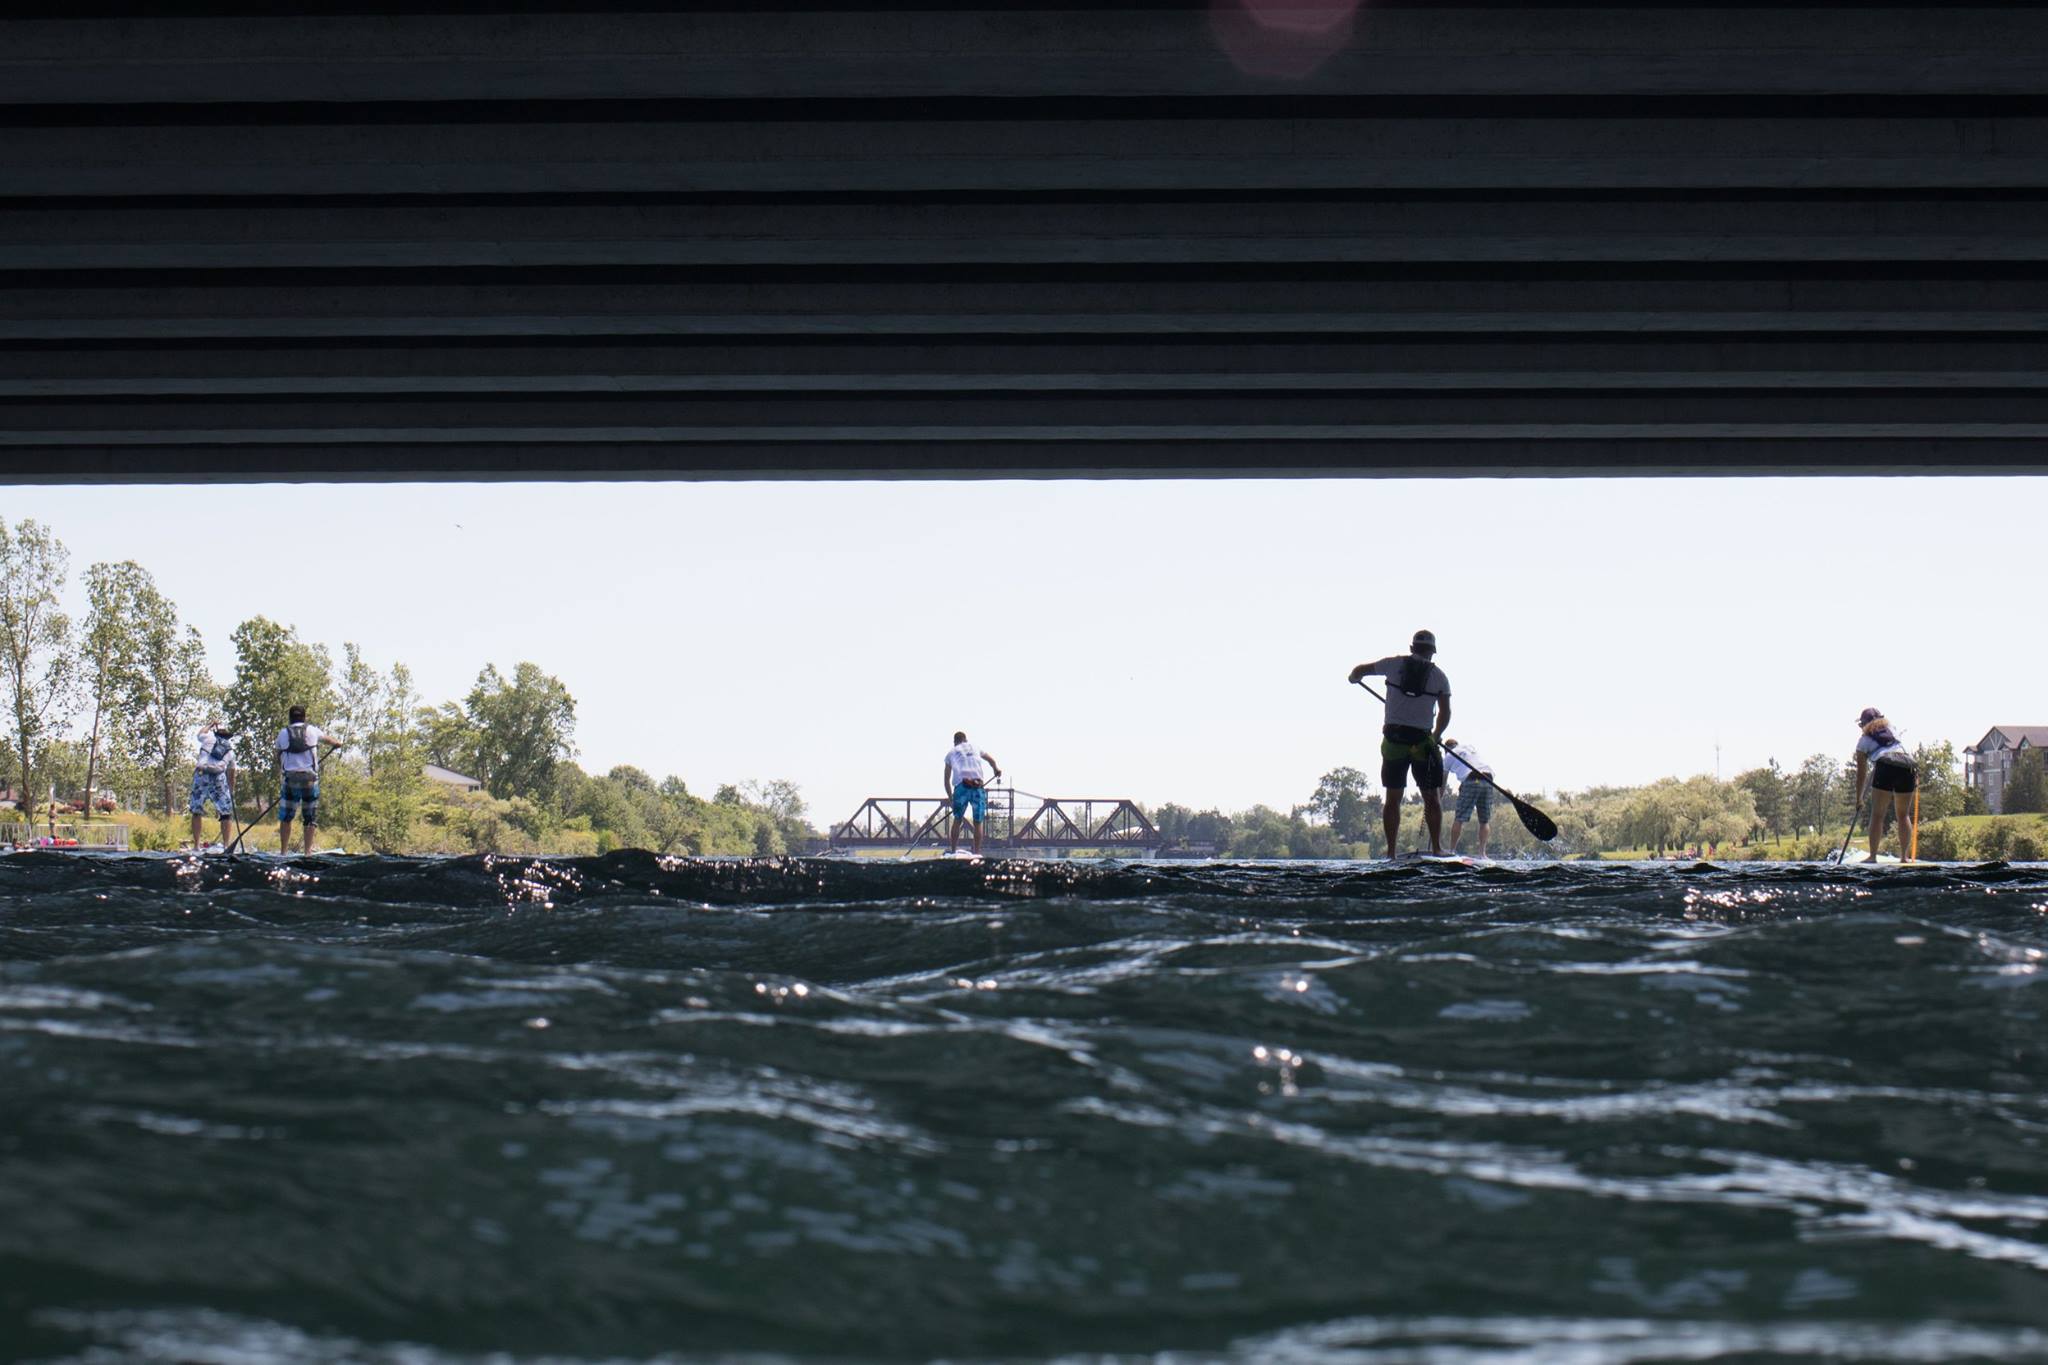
column 284, row 836
column 197, row 820
column 1880, row 802
column 1902, row 803
column 1390, row 817
column 1458, row 832
column 1433, row 817
column 977, row 838
column 227, row 830
column 1483, row 827
column 305, row 836
column 953, row 842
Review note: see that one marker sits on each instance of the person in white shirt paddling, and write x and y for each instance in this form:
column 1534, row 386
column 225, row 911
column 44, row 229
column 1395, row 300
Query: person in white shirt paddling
column 298, row 753
column 1418, row 709
column 1462, row 761
column 966, row 787
column 213, row 779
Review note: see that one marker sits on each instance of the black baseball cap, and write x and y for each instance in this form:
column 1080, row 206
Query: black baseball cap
column 1423, row 643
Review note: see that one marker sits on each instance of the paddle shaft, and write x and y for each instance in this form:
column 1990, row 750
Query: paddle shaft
column 1535, row 819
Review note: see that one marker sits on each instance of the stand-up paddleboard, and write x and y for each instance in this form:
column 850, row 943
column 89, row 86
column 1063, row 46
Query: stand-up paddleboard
column 1442, row 859
column 961, row 855
column 1858, row 857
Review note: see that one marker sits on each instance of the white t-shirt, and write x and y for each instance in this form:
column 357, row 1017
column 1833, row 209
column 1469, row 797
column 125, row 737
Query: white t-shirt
column 306, row 762
column 1418, row 712
column 1461, row 761
column 207, row 763
column 1884, row 753
column 963, row 764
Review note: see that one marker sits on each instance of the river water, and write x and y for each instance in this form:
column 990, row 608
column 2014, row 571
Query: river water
column 497, row 1109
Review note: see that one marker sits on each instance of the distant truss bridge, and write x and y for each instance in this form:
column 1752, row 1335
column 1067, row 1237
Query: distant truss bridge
column 1018, row 822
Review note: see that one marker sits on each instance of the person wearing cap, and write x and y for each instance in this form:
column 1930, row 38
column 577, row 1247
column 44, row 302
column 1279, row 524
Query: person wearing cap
column 1418, row 709
column 1893, row 781
column 1475, row 794
column 213, row 779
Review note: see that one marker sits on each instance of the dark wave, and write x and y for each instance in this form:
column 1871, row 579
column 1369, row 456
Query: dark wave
column 639, row 1108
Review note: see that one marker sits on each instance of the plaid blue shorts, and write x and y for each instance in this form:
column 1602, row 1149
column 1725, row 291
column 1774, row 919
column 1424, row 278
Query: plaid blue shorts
column 212, row 787
column 297, row 802
column 1475, row 795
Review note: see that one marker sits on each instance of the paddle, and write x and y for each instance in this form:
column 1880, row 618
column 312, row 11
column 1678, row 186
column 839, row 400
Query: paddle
column 1537, row 823
column 1850, row 832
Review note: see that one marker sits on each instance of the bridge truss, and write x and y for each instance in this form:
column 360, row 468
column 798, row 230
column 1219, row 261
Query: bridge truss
column 1018, row 822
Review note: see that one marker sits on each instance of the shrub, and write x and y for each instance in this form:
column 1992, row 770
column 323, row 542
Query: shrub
column 1943, row 842
column 1994, row 841
column 2025, row 847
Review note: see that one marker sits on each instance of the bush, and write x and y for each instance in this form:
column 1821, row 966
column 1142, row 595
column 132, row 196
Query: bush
column 1994, row 841
column 1943, row 842
column 2025, row 847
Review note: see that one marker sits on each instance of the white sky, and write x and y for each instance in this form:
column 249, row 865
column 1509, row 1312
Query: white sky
column 1181, row 641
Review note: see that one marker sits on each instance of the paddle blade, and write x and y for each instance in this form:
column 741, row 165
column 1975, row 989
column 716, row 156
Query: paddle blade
column 1537, row 823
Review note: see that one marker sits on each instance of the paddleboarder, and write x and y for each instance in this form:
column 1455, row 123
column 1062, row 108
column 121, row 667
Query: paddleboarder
column 298, row 753
column 966, row 787
column 213, row 779
column 1893, row 781
column 1418, row 708
column 1475, row 794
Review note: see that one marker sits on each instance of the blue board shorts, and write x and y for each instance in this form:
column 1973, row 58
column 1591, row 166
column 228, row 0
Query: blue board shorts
column 300, row 799
column 212, row 787
column 1474, row 794
column 965, row 796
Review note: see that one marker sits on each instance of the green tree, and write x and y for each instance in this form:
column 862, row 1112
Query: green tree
column 2026, row 791
column 384, row 719
column 274, row 671
column 112, row 648
column 449, row 739
column 38, row 672
column 524, row 727
column 167, row 690
column 1769, row 790
column 1340, row 801
column 1813, row 789
column 1941, row 783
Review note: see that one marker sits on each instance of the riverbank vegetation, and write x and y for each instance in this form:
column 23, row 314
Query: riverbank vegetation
column 101, row 720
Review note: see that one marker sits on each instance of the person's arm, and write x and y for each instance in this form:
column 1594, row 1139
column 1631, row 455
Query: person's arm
column 1862, row 770
column 1371, row 670
column 994, row 766
column 946, row 780
column 1443, row 716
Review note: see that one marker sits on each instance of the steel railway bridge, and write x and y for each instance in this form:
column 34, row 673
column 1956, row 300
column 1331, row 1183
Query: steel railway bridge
column 1018, row 822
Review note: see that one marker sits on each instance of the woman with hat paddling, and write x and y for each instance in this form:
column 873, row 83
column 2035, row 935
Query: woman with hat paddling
column 1883, row 760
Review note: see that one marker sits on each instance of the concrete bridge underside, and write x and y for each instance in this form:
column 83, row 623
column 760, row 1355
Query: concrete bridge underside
column 787, row 239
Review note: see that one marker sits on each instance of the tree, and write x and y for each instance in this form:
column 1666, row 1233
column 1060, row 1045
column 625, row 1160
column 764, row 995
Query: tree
column 524, row 727
column 2026, row 791
column 1768, row 788
column 1811, row 788
column 450, row 741
column 1340, row 801
column 274, row 671
column 167, row 688
column 380, row 716
column 38, row 672
column 1941, row 785
column 112, row 651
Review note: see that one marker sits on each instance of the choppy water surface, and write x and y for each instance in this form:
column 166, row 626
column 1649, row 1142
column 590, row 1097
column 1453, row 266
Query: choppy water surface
column 426, row 1111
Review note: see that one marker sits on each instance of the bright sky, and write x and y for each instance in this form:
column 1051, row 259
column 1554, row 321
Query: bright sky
column 1183, row 641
